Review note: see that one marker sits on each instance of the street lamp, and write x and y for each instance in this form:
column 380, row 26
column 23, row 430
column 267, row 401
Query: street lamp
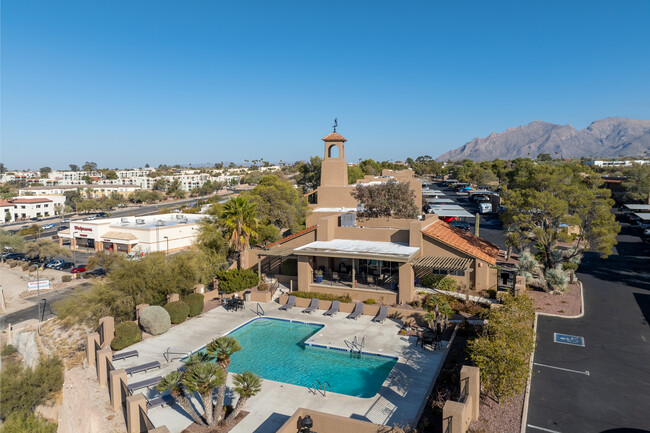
column 167, row 239
column 73, row 245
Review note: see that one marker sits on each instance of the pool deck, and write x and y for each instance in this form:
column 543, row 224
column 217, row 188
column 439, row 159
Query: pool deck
column 398, row 402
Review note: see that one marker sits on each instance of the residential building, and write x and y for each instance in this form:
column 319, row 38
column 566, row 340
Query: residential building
column 86, row 191
column 25, row 208
column 616, row 163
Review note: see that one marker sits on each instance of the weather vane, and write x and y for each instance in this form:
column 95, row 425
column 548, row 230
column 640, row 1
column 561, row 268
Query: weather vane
column 336, row 123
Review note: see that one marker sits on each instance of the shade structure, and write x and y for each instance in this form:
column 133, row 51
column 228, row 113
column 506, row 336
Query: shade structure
column 346, row 248
column 423, row 265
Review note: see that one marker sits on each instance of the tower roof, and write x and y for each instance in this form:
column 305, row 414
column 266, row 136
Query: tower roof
column 334, row 136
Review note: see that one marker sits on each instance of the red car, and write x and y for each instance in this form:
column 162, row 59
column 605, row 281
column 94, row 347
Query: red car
column 449, row 219
column 78, row 269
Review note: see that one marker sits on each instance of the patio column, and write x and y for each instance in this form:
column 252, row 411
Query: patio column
column 305, row 273
column 259, row 268
column 128, row 248
column 354, row 275
column 406, row 283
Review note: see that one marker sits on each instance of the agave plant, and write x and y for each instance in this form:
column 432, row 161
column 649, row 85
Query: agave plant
column 247, row 385
column 221, row 349
column 556, row 279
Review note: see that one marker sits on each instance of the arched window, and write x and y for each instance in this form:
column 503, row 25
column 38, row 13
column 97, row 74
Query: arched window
column 333, row 151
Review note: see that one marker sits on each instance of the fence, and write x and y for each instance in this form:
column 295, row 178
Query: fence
column 457, row 415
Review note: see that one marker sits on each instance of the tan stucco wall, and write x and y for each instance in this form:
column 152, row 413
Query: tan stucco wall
column 328, row 423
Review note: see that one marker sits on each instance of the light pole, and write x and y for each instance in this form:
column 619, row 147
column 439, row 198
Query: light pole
column 167, row 239
column 73, row 245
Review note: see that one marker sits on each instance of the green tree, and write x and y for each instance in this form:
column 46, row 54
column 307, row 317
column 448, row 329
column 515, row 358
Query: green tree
column 544, row 157
column 308, row 177
column 355, row 173
column 73, row 167
column 45, row 171
column 89, row 166
column 279, row 203
column 425, row 165
column 247, row 385
column 111, row 175
column 221, row 350
column 161, row 184
column 34, row 230
column 239, row 218
column 3, row 169
column 203, row 378
column 11, row 242
column 105, row 260
column 387, row 199
column 637, row 183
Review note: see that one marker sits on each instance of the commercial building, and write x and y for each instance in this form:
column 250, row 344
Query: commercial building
column 86, row 191
column 25, row 208
column 144, row 234
column 380, row 258
column 616, row 163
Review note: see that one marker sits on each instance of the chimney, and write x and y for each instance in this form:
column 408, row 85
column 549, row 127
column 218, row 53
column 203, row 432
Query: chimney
column 477, row 223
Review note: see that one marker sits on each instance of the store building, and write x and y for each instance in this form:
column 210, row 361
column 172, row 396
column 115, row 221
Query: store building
column 144, row 234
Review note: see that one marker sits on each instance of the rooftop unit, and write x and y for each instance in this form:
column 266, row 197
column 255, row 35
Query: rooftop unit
column 139, row 221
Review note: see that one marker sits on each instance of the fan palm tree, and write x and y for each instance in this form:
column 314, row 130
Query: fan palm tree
column 239, row 217
column 221, row 349
column 173, row 382
column 204, row 377
column 247, row 385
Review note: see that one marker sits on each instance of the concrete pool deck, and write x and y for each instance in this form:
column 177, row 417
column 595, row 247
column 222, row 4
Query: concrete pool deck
column 398, row 402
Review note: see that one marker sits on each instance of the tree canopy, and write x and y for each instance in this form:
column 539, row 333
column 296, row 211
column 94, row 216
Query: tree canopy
column 387, row 199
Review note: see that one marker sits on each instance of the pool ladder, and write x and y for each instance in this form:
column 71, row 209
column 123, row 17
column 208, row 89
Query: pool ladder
column 259, row 310
column 358, row 344
column 321, row 388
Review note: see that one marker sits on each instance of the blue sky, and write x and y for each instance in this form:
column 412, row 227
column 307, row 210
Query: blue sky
column 124, row 83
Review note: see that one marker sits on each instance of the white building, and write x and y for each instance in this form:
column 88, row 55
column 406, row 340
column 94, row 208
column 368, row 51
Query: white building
column 145, row 234
column 88, row 191
column 25, row 208
column 599, row 163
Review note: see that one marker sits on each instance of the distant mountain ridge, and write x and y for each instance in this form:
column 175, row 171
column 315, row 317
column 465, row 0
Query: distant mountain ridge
column 605, row 138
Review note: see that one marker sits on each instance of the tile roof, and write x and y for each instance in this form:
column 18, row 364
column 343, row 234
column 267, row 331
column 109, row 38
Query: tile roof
column 31, row 200
column 5, row 203
column 288, row 238
column 462, row 240
column 334, row 136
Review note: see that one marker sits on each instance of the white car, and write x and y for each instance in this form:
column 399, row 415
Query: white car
column 48, row 226
column 90, row 218
column 65, row 220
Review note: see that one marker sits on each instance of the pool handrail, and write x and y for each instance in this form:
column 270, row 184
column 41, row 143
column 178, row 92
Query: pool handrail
column 258, row 309
column 175, row 351
column 328, row 385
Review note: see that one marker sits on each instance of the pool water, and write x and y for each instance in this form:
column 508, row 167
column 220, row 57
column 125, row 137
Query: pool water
column 274, row 349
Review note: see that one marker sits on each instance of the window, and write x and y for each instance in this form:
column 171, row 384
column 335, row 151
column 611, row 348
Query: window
column 38, row 206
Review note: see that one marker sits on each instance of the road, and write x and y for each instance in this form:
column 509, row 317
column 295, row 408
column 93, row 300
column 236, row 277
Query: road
column 32, row 312
column 615, row 395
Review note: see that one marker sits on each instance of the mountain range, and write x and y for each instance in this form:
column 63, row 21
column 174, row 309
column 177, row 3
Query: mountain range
column 605, row 138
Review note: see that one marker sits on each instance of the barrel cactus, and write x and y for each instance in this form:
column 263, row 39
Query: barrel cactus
column 155, row 320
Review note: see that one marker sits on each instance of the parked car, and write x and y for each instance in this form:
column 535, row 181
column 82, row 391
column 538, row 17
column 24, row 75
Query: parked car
column 460, row 224
column 481, row 199
column 53, row 263
column 14, row 256
column 79, row 269
column 101, row 214
column 90, row 218
column 35, row 219
column 449, row 219
column 65, row 220
column 48, row 226
column 63, row 265
column 99, row 272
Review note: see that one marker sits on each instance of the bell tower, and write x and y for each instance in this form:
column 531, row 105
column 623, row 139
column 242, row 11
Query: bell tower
column 334, row 169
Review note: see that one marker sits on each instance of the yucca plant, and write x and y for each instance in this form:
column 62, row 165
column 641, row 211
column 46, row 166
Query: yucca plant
column 556, row 279
column 203, row 378
column 221, row 349
column 247, row 385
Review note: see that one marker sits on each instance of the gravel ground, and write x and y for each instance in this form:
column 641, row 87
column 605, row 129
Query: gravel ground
column 499, row 418
column 568, row 303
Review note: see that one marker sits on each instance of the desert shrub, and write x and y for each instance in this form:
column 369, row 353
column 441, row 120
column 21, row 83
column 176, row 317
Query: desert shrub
column 66, row 278
column 448, row 284
column 12, row 263
column 155, row 320
column 263, row 287
column 443, row 302
column 178, row 311
column 21, row 422
column 8, row 349
column 290, row 267
column 556, row 279
column 196, row 302
column 22, row 389
column 25, row 266
column 322, row 296
column 431, row 280
column 369, row 301
column 236, row 280
column 126, row 334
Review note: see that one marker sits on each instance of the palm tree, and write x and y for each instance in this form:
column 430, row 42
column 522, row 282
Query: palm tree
column 204, row 377
column 221, row 349
column 239, row 217
column 247, row 385
column 173, row 383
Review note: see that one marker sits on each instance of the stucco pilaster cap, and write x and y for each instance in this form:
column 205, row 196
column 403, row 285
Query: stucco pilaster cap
column 334, row 136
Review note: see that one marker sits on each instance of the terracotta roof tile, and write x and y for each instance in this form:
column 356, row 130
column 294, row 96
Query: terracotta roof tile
column 288, row 238
column 334, row 136
column 31, row 200
column 462, row 240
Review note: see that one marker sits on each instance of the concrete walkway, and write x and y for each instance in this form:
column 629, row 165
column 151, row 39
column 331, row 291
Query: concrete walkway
column 399, row 400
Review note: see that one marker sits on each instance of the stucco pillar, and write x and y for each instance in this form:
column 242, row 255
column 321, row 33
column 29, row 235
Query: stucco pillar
column 199, row 288
column 91, row 339
column 133, row 405
column 452, row 417
column 60, row 242
column 114, row 247
column 138, row 310
column 73, row 243
column 470, row 378
column 102, row 371
column 128, row 248
column 108, row 329
column 173, row 297
column 481, row 275
column 305, row 273
column 116, row 377
column 406, row 283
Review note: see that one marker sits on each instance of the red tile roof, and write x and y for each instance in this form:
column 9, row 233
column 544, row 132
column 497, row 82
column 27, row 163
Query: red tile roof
column 295, row 235
column 5, row 203
column 462, row 240
column 31, row 200
column 334, row 136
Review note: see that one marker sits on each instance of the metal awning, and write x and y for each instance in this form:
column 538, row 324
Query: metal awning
column 443, row 263
column 643, row 216
column 637, row 207
column 277, row 252
column 357, row 249
column 452, row 213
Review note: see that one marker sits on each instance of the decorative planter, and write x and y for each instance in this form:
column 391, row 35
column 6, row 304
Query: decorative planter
column 319, row 278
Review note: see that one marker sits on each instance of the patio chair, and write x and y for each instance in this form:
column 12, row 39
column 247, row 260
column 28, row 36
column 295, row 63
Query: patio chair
column 358, row 311
column 161, row 400
column 333, row 309
column 147, row 383
column 335, row 277
column 142, row 367
column 313, row 306
column 124, row 355
column 290, row 304
column 382, row 315
column 370, row 280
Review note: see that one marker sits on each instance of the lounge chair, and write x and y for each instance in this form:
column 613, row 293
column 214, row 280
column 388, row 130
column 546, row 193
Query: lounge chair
column 313, row 306
column 124, row 355
column 142, row 367
column 147, row 383
column 333, row 309
column 290, row 304
column 382, row 315
column 358, row 311
column 161, row 400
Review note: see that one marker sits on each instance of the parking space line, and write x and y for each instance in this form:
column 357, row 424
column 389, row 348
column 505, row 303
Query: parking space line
column 543, row 429
column 586, row 372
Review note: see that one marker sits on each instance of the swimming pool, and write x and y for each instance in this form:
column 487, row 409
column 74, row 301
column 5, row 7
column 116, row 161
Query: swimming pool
column 275, row 349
